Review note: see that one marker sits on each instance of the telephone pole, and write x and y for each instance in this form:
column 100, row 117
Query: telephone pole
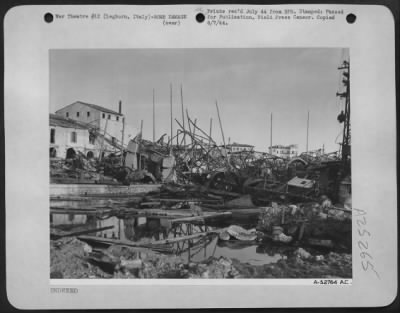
column 154, row 119
column 308, row 125
column 270, row 139
column 170, row 110
column 344, row 117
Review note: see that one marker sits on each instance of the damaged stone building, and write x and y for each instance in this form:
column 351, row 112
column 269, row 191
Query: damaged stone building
column 97, row 117
column 67, row 137
column 87, row 128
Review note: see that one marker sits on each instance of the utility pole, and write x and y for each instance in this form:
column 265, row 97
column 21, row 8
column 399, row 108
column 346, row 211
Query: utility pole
column 344, row 117
column 122, row 140
column 209, row 142
column 220, row 125
column 209, row 139
column 270, row 139
column 154, row 119
column 122, row 133
column 102, row 142
column 170, row 111
column 308, row 123
column 183, row 119
column 223, row 136
column 139, row 144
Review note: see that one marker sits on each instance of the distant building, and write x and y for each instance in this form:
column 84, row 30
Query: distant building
column 67, row 137
column 315, row 153
column 237, row 147
column 96, row 116
column 285, row 152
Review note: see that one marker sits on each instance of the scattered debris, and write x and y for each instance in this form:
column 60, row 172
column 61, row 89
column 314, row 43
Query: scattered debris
column 239, row 233
column 302, row 254
column 71, row 258
column 208, row 195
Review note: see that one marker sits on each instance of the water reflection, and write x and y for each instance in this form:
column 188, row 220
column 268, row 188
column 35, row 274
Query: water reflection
column 68, row 219
column 87, row 204
column 146, row 230
column 247, row 253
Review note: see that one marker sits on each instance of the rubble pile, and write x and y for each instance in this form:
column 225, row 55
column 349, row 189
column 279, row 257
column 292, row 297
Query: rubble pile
column 206, row 192
column 197, row 159
column 301, row 265
column 81, row 169
column 313, row 224
column 124, row 262
column 78, row 168
column 294, row 209
column 67, row 260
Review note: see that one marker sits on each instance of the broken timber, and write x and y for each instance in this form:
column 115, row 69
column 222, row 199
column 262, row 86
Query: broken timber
column 126, row 243
column 188, row 237
column 199, row 217
column 61, row 233
column 153, row 245
column 67, row 210
column 281, row 193
column 100, row 190
column 180, row 215
column 194, row 200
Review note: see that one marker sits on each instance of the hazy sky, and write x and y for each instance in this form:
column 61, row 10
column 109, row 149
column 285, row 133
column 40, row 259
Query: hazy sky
column 249, row 85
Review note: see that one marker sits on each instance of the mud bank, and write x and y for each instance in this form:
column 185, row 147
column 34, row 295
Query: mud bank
column 72, row 258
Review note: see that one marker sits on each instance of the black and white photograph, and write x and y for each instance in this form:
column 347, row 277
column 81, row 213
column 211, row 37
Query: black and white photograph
column 244, row 153
column 204, row 163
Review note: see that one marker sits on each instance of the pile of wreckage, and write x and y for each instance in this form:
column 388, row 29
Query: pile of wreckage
column 192, row 216
column 211, row 212
column 78, row 168
column 291, row 197
column 315, row 222
column 197, row 159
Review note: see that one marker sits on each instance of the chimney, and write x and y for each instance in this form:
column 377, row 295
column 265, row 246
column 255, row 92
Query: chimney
column 120, row 107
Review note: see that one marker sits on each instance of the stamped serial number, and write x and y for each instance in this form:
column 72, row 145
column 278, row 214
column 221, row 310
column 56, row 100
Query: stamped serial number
column 63, row 290
column 332, row 282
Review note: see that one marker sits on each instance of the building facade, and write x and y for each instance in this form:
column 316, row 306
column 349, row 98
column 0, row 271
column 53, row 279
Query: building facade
column 101, row 118
column 285, row 152
column 67, row 138
column 237, row 147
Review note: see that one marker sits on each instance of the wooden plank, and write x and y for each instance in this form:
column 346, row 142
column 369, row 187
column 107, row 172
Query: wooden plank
column 245, row 211
column 93, row 198
column 196, row 200
column 71, row 208
column 153, row 245
column 101, row 190
column 78, row 212
column 61, row 233
column 224, row 193
column 133, row 212
column 162, row 213
column 150, row 203
column 214, row 206
column 200, row 217
column 128, row 243
column 289, row 194
column 340, row 209
column 215, row 197
column 188, row 237
column 232, row 209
